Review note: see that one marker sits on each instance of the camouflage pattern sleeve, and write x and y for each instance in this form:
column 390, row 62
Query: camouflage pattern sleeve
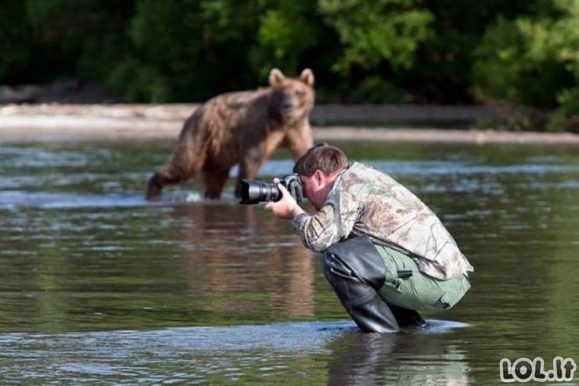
column 318, row 232
column 328, row 226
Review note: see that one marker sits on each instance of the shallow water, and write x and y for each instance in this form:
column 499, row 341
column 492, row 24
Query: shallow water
column 100, row 287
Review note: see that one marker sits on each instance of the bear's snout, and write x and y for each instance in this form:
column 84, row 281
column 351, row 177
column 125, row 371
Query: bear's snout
column 287, row 107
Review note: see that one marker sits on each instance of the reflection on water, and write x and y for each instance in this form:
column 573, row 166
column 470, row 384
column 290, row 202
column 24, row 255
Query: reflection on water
column 336, row 353
column 15, row 200
column 99, row 286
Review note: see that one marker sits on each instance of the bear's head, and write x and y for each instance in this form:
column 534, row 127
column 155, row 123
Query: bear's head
column 292, row 98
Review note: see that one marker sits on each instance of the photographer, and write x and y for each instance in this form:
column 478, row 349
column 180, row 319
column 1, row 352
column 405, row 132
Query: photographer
column 385, row 253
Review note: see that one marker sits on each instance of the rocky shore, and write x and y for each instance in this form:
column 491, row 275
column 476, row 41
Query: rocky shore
column 52, row 122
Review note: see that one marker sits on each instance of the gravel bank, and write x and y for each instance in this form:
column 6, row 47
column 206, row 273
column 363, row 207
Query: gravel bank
column 29, row 123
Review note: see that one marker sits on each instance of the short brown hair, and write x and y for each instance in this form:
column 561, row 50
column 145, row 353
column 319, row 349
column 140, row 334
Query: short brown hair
column 326, row 158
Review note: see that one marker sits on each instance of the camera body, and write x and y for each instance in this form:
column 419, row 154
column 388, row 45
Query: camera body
column 254, row 192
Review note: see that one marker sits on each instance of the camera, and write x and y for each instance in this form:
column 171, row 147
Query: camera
column 254, row 192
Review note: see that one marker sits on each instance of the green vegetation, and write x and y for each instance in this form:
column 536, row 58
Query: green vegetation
column 520, row 52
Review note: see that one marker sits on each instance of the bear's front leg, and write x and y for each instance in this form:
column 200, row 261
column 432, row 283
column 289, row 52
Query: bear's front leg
column 299, row 140
column 214, row 181
column 248, row 170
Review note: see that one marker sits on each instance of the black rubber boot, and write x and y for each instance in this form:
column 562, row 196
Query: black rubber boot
column 407, row 319
column 355, row 277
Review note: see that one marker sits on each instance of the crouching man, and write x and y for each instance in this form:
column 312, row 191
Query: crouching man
column 385, row 253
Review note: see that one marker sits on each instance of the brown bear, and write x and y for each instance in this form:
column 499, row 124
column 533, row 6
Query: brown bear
column 240, row 128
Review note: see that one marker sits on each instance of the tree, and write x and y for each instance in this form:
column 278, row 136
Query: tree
column 533, row 60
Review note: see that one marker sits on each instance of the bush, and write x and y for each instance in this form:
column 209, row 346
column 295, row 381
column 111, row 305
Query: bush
column 512, row 65
column 566, row 117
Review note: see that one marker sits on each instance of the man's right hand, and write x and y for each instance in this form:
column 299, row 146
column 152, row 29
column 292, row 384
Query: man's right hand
column 287, row 207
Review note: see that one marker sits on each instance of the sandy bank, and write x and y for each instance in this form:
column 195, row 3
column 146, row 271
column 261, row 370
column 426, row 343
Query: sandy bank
column 28, row 123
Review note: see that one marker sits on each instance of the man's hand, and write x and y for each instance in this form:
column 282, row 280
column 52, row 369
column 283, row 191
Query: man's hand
column 286, row 207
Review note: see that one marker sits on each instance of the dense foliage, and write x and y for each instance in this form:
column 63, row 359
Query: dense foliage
column 373, row 51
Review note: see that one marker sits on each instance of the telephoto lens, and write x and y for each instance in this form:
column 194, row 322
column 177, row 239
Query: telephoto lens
column 254, row 192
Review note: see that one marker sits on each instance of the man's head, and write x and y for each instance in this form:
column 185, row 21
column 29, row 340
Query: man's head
column 318, row 168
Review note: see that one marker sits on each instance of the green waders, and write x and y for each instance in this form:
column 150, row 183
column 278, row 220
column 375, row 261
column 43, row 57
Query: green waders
column 405, row 286
column 381, row 288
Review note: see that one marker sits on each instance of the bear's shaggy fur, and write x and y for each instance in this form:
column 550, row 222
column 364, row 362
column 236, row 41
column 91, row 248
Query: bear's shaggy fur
column 240, row 128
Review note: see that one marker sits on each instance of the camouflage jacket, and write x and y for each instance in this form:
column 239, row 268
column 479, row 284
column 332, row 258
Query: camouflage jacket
column 364, row 200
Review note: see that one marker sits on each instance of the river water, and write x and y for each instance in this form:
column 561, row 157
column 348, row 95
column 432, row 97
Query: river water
column 99, row 286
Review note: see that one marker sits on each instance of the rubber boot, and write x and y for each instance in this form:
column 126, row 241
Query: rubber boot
column 361, row 300
column 407, row 319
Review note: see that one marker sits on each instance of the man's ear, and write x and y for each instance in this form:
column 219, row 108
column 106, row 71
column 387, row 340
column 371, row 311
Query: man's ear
column 319, row 176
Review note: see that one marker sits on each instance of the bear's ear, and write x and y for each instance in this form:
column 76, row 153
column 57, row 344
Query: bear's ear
column 307, row 77
column 275, row 77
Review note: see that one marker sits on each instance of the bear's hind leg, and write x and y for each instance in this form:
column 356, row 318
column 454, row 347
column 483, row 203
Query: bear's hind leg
column 170, row 175
column 155, row 186
column 167, row 176
column 185, row 164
